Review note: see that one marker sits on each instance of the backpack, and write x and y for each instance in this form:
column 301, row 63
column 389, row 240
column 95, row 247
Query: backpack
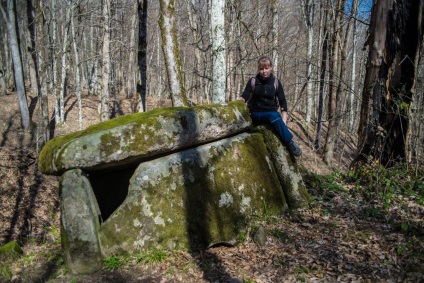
column 253, row 81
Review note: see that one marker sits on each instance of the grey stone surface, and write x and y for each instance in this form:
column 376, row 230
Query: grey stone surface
column 194, row 198
column 79, row 223
column 130, row 138
column 287, row 170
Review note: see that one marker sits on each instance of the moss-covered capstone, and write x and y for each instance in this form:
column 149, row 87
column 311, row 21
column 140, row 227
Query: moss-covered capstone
column 195, row 198
column 131, row 138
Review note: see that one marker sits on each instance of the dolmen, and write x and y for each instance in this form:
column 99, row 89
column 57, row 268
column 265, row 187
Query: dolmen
column 180, row 178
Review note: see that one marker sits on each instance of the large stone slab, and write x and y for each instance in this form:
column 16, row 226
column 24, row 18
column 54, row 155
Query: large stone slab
column 194, row 198
column 296, row 194
column 79, row 223
column 131, row 138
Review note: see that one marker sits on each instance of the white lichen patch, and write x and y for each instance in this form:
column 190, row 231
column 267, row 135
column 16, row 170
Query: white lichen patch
column 159, row 220
column 137, row 223
column 241, row 187
column 146, row 205
column 245, row 203
column 140, row 242
column 225, row 199
column 269, row 162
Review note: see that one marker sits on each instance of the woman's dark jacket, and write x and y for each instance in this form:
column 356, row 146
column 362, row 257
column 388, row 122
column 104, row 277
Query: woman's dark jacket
column 263, row 97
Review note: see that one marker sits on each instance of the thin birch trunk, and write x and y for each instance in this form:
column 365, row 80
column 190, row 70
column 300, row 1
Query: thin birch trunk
column 9, row 16
column 171, row 53
column 132, row 75
column 54, row 86
column 64, row 68
column 218, row 51
column 353, row 113
column 309, row 13
column 32, row 60
column 104, row 92
column 275, row 34
column 77, row 71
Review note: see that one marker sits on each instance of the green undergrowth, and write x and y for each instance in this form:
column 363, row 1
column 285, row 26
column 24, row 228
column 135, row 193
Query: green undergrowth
column 394, row 195
column 372, row 182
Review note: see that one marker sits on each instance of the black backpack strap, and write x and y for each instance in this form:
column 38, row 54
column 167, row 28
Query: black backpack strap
column 252, row 83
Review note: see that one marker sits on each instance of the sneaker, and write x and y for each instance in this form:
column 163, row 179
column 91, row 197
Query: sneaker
column 294, row 148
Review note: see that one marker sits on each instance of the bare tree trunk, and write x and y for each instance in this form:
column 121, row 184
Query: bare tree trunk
column 309, row 14
column 171, row 53
column 415, row 135
column 344, row 48
column 77, row 70
column 132, row 74
column 3, row 64
column 324, row 56
column 333, row 100
column 219, row 72
column 104, row 93
column 353, row 113
column 32, row 61
column 142, row 53
column 9, row 17
column 275, row 34
column 395, row 40
column 64, row 68
column 42, row 73
column 54, row 86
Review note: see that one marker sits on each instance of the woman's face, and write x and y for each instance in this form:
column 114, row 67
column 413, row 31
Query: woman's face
column 265, row 70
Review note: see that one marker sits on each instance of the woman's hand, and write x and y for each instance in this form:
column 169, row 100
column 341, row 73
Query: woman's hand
column 284, row 116
column 241, row 98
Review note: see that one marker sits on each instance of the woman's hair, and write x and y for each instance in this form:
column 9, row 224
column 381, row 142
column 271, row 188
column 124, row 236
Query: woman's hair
column 264, row 62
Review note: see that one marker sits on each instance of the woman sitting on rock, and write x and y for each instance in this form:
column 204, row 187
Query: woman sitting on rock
column 264, row 94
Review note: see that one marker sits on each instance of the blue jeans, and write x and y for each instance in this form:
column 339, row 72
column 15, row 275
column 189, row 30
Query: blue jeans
column 273, row 118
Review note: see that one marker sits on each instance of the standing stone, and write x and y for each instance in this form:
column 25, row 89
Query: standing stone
column 297, row 195
column 79, row 223
column 195, row 198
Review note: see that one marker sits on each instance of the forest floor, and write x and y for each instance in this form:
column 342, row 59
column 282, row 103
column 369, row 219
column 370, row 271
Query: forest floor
column 358, row 228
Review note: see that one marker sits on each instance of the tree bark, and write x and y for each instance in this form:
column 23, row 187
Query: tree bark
column 142, row 54
column 9, row 16
column 308, row 14
column 104, row 92
column 132, row 73
column 218, row 51
column 77, row 70
column 171, row 53
column 395, row 39
column 322, row 74
column 42, row 74
column 334, row 97
column 64, row 68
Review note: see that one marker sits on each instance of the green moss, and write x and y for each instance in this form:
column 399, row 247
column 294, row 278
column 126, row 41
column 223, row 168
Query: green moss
column 11, row 249
column 53, row 150
column 200, row 202
column 109, row 143
column 291, row 181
